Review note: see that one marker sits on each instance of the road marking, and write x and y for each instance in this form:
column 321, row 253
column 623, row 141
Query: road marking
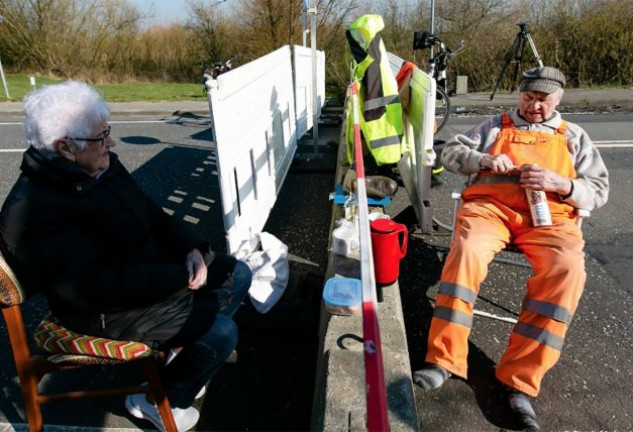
column 111, row 121
column 23, row 427
column 613, row 144
column 12, row 150
column 136, row 121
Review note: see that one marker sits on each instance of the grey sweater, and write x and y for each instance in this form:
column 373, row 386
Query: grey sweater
column 462, row 153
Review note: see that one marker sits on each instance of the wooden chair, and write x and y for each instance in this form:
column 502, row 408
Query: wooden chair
column 84, row 351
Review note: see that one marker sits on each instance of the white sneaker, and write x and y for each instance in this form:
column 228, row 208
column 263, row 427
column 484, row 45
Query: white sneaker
column 171, row 355
column 201, row 393
column 139, row 407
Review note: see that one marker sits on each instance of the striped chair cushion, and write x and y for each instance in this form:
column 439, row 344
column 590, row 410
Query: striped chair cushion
column 67, row 345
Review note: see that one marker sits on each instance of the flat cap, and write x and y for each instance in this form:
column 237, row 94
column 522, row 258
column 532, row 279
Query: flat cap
column 542, row 79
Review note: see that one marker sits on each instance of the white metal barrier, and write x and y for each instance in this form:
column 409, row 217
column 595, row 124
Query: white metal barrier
column 303, row 86
column 417, row 162
column 253, row 115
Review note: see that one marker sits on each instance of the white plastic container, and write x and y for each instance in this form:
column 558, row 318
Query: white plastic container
column 345, row 240
column 539, row 209
column 343, row 296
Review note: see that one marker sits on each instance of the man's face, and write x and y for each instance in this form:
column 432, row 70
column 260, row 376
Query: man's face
column 536, row 107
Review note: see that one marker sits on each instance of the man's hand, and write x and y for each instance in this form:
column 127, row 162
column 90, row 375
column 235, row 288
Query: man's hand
column 538, row 178
column 197, row 269
column 498, row 164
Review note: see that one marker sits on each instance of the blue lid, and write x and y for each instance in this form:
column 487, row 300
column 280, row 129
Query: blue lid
column 341, row 291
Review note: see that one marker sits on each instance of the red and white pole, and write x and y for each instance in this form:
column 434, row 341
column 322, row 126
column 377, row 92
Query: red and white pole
column 377, row 419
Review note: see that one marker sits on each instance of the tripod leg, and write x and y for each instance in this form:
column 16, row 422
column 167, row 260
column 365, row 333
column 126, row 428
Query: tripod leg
column 510, row 55
column 518, row 61
column 538, row 58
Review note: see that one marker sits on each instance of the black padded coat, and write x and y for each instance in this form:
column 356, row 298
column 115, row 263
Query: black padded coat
column 108, row 259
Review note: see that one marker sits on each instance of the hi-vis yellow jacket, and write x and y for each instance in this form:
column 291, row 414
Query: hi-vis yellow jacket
column 380, row 109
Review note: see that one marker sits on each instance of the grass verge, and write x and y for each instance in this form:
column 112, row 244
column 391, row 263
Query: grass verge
column 19, row 85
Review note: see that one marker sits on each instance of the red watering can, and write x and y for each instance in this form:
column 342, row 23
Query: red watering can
column 389, row 245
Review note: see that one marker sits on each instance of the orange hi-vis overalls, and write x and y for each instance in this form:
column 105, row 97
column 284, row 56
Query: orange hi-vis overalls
column 495, row 212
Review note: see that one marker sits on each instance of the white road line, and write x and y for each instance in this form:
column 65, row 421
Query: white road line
column 111, row 121
column 136, row 121
column 12, row 150
column 23, row 427
column 613, row 144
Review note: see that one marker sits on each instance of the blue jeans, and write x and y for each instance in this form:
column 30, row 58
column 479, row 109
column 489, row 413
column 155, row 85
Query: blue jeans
column 196, row 363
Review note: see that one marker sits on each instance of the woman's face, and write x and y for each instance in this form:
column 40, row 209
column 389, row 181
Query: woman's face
column 95, row 157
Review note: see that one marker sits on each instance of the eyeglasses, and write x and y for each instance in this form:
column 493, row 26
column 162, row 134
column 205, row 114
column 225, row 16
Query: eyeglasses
column 102, row 137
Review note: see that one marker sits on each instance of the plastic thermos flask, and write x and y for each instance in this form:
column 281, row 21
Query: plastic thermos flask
column 389, row 246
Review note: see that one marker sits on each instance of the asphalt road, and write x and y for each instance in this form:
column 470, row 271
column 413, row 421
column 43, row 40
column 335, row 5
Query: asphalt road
column 269, row 388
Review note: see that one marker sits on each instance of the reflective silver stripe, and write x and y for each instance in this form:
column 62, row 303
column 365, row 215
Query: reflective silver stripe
column 540, row 335
column 559, row 313
column 381, row 102
column 458, row 291
column 453, row 316
column 496, row 179
column 387, row 141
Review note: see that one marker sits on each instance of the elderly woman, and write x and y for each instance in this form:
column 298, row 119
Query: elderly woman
column 111, row 263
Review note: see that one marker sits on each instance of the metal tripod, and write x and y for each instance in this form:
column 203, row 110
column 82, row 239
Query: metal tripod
column 515, row 55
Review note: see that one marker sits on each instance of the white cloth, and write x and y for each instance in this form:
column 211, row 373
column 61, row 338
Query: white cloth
column 267, row 257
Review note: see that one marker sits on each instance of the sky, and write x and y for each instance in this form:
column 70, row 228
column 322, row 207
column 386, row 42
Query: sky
column 170, row 11
column 166, row 11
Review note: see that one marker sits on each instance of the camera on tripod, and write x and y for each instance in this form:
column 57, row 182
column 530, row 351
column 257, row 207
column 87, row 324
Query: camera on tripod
column 515, row 56
column 423, row 39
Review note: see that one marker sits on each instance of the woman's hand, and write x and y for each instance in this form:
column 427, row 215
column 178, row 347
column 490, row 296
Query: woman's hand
column 538, row 178
column 197, row 269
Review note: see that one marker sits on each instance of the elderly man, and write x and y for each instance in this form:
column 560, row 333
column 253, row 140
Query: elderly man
column 110, row 261
column 531, row 147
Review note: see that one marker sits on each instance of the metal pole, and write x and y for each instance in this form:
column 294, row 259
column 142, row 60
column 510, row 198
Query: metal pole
column 315, row 113
column 432, row 16
column 432, row 22
column 305, row 23
column 4, row 81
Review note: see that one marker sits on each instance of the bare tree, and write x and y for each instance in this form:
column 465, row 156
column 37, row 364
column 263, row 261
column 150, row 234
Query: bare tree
column 212, row 33
column 102, row 40
column 264, row 25
column 64, row 37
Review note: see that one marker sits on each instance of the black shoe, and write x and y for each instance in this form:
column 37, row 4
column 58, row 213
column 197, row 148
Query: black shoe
column 522, row 408
column 436, row 180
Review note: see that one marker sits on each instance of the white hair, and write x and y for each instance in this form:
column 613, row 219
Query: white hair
column 560, row 93
column 70, row 109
